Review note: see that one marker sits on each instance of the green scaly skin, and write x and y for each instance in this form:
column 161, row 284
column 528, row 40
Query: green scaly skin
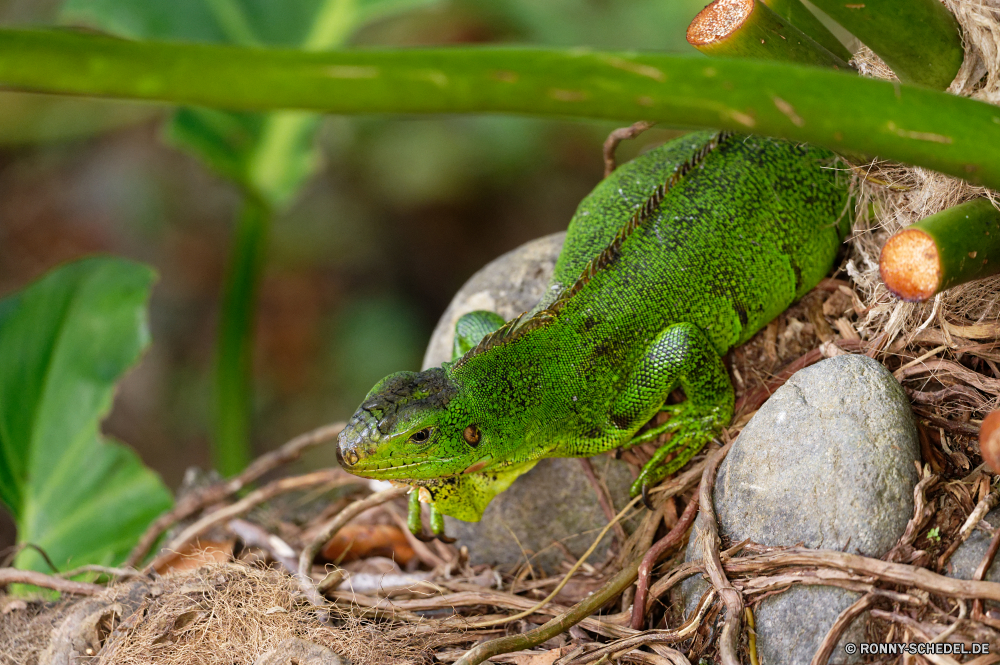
column 671, row 261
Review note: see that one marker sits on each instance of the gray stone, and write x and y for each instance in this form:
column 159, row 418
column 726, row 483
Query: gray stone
column 828, row 462
column 554, row 501
column 508, row 285
column 791, row 625
column 969, row 555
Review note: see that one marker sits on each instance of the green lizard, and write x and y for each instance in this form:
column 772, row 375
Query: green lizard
column 672, row 260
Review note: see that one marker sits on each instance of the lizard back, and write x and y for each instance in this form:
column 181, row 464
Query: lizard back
column 750, row 225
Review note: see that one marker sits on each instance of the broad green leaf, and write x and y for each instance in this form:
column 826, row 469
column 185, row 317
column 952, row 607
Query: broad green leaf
column 636, row 25
column 64, row 342
column 271, row 156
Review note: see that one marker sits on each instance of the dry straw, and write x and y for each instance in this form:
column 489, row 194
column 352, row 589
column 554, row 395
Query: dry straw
column 892, row 196
column 218, row 615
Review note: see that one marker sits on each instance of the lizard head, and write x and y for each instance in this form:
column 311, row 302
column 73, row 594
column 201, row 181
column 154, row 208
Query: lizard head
column 411, row 426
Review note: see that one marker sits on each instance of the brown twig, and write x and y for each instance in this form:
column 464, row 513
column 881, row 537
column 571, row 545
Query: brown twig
column 980, row 574
column 16, row 576
column 968, row 429
column 254, row 535
column 708, row 535
column 255, row 498
column 902, row 550
column 576, row 566
column 616, row 137
column 196, row 501
column 938, row 397
column 619, row 647
column 603, row 498
column 651, row 558
column 765, row 585
column 894, row 573
column 680, row 483
column 328, row 532
column 121, row 573
column 752, row 400
column 559, row 624
column 477, row 598
column 927, row 632
column 675, row 577
column 953, row 369
column 419, row 547
column 985, row 505
column 985, row 659
column 844, row 620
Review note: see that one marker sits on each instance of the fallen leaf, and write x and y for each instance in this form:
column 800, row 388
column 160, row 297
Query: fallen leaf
column 356, row 541
column 197, row 554
column 540, row 658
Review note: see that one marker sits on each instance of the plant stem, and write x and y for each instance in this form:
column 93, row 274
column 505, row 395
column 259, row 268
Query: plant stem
column 836, row 110
column 952, row 247
column 234, row 353
column 802, row 18
column 271, row 182
column 918, row 39
column 750, row 29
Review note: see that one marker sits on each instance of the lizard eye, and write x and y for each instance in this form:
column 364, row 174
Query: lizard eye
column 471, row 435
column 421, row 436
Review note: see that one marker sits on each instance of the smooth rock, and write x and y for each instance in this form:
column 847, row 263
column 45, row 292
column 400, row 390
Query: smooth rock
column 828, row 461
column 969, row 555
column 554, row 501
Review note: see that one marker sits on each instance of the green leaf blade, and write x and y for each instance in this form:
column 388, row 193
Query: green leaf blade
column 64, row 343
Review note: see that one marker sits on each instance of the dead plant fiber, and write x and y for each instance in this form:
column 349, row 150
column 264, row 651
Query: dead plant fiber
column 218, row 615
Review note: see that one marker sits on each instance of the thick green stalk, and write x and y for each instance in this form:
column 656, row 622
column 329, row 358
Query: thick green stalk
column 270, row 163
column 234, row 350
column 918, row 39
column 952, row 247
column 750, row 29
column 802, row 18
column 836, row 110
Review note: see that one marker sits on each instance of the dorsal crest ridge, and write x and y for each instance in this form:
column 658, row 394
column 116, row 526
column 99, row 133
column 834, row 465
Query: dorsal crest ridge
column 515, row 328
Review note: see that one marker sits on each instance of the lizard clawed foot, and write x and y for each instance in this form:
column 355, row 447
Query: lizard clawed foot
column 692, row 428
column 437, row 525
column 646, row 501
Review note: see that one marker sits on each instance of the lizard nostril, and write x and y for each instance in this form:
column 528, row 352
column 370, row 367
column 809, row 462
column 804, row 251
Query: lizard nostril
column 348, row 458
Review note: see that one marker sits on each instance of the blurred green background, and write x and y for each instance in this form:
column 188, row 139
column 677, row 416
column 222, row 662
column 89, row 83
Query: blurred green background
column 362, row 260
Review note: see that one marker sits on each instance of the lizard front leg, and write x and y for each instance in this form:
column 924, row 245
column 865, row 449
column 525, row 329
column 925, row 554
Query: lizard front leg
column 414, row 520
column 681, row 355
column 471, row 328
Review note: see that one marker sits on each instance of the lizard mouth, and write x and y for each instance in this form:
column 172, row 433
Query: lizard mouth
column 402, row 470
